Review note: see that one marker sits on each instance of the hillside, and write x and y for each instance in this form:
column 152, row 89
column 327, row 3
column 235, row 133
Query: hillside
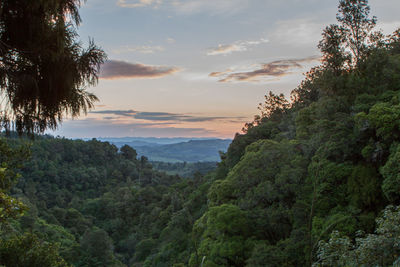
column 309, row 176
column 143, row 141
column 84, row 193
column 174, row 150
column 191, row 151
column 185, row 170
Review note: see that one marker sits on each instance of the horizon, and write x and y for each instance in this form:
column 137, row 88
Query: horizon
column 145, row 139
column 155, row 137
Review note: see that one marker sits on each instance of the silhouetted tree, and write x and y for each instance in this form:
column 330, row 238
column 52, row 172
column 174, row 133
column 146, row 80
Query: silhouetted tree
column 347, row 42
column 44, row 69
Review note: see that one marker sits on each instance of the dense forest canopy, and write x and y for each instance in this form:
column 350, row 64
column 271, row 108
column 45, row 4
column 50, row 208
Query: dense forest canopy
column 310, row 182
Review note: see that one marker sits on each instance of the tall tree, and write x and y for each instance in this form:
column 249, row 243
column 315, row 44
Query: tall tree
column 356, row 26
column 348, row 41
column 44, row 70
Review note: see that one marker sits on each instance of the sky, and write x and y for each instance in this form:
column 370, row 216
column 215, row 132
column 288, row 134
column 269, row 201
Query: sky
column 199, row 68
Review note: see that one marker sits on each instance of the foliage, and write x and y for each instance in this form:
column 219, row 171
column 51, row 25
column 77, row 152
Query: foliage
column 44, row 69
column 28, row 250
column 390, row 172
column 184, row 169
column 379, row 249
column 10, row 159
column 103, row 206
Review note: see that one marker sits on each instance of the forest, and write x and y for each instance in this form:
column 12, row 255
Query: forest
column 314, row 180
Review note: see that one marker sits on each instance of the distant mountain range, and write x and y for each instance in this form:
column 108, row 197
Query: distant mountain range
column 174, row 149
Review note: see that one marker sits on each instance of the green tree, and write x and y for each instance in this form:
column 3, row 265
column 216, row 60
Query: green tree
column 391, row 175
column 379, row 249
column 29, row 250
column 224, row 231
column 128, row 152
column 98, row 247
column 356, row 26
column 10, row 162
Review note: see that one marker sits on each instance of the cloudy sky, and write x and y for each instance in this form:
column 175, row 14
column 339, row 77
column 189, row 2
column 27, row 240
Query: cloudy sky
column 199, row 68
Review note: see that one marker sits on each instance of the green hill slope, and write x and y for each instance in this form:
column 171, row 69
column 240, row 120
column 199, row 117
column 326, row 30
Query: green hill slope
column 191, row 151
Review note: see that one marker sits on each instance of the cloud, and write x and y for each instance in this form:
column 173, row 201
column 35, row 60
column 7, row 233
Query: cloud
column 114, row 69
column 275, row 69
column 170, row 40
column 225, row 49
column 219, row 73
column 109, row 118
column 189, row 7
column 127, row 113
column 138, row 3
column 162, row 116
column 235, row 47
column 144, row 49
column 297, row 32
column 211, row 7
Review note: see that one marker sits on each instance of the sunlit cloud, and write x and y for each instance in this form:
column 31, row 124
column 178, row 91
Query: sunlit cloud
column 144, row 49
column 115, row 69
column 219, row 73
column 162, row 116
column 225, row 49
column 235, row 47
column 278, row 68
